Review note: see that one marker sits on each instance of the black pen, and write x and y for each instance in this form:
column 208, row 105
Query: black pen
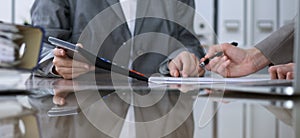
column 206, row 61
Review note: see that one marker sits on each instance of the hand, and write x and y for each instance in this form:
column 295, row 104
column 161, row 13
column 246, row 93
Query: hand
column 184, row 88
column 285, row 71
column 67, row 67
column 185, row 64
column 235, row 62
column 62, row 88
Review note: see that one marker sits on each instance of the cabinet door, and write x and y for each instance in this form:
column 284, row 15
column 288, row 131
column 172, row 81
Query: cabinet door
column 231, row 120
column 287, row 11
column 203, row 22
column 231, row 21
column 263, row 122
column 264, row 18
column 204, row 118
column 6, row 11
column 285, row 131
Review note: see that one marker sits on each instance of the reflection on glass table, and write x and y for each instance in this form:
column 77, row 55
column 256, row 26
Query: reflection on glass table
column 104, row 108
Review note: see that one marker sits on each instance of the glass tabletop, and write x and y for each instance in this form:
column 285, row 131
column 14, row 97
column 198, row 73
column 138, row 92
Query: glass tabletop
column 128, row 108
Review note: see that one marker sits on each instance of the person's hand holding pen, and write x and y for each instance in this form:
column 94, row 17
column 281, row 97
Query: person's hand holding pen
column 68, row 68
column 234, row 61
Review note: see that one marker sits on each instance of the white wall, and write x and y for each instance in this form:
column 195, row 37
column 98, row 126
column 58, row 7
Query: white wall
column 19, row 15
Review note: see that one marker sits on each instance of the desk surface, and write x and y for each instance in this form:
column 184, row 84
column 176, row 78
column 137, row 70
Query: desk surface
column 102, row 107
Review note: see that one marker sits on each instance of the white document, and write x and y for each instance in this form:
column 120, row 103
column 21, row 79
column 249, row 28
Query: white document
column 202, row 80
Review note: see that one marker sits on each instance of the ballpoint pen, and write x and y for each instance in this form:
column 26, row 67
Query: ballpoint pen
column 206, row 61
column 99, row 62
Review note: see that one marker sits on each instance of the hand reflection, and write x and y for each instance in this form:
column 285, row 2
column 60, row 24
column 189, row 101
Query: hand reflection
column 215, row 95
column 183, row 87
column 62, row 88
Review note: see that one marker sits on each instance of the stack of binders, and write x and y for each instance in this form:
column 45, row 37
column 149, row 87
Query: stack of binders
column 10, row 52
column 20, row 48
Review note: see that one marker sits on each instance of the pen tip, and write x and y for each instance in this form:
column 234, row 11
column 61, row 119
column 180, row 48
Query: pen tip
column 206, row 61
column 202, row 65
column 234, row 43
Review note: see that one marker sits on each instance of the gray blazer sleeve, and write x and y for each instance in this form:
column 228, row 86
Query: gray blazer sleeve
column 278, row 47
column 54, row 17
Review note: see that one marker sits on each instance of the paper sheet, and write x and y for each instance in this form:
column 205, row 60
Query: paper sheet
column 202, row 80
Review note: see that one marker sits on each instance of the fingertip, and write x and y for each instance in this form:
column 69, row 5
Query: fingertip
column 58, row 100
column 290, row 76
column 202, row 59
column 58, row 52
column 184, row 75
column 175, row 74
column 171, row 73
column 62, row 101
column 62, row 52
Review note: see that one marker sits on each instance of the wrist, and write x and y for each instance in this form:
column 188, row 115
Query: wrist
column 259, row 60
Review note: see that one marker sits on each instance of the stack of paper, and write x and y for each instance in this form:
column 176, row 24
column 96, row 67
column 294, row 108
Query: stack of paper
column 201, row 80
column 9, row 79
column 9, row 50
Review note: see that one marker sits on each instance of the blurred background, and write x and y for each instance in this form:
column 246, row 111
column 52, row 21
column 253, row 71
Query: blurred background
column 247, row 21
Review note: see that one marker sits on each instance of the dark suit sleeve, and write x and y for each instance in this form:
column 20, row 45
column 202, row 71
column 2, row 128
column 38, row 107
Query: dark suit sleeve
column 186, row 35
column 278, row 47
column 54, row 17
column 185, row 11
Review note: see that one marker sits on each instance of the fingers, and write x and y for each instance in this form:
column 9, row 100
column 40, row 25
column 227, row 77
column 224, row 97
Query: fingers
column 68, row 62
column 290, row 76
column 281, row 73
column 212, row 50
column 59, row 52
column 174, row 67
column 59, row 97
column 220, row 65
column 58, row 100
column 284, row 71
column 185, row 64
column 67, row 67
column 201, row 72
column 70, row 73
column 190, row 66
column 273, row 72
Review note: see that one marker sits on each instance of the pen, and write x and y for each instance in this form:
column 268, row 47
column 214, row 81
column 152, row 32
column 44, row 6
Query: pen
column 111, row 66
column 206, row 61
column 99, row 62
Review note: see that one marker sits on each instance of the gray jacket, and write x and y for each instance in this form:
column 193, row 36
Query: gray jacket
column 279, row 46
column 163, row 28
